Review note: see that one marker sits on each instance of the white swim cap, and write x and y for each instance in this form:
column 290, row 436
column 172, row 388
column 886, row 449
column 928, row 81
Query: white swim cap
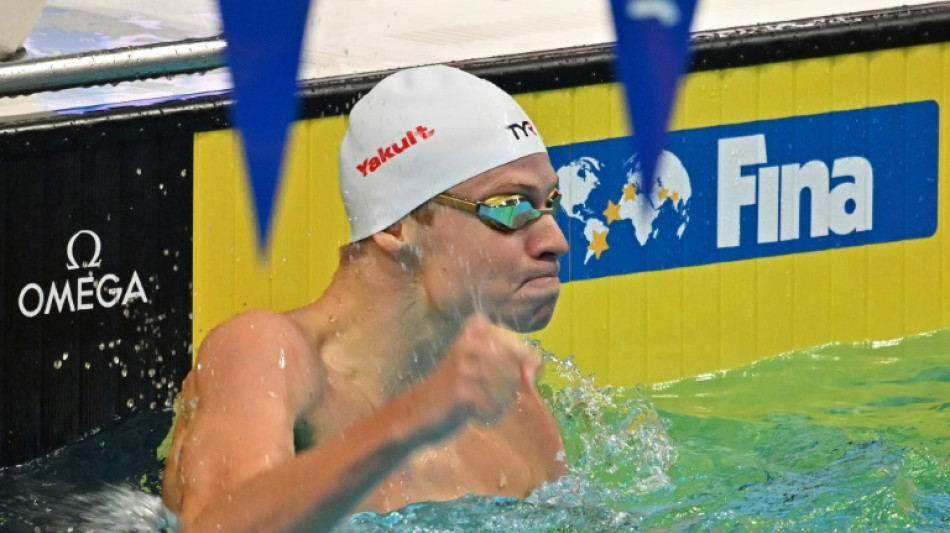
column 419, row 132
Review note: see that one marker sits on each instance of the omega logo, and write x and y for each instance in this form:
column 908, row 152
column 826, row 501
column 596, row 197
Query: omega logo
column 83, row 293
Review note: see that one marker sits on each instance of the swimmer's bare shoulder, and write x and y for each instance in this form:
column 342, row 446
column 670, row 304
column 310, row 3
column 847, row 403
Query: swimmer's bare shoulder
column 253, row 375
column 233, row 465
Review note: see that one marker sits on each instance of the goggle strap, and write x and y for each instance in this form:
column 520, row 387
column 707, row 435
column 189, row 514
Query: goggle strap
column 456, row 202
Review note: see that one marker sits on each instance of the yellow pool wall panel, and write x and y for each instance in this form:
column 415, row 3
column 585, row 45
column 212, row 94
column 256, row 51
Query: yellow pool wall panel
column 645, row 327
column 308, row 228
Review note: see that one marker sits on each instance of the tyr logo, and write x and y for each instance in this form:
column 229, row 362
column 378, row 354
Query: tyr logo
column 525, row 127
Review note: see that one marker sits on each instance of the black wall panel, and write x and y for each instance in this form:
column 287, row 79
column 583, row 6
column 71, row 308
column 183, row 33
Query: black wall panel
column 95, row 286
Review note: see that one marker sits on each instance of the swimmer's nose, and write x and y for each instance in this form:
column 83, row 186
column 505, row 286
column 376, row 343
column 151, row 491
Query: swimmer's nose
column 545, row 238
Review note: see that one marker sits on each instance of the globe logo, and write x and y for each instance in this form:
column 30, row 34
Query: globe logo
column 657, row 215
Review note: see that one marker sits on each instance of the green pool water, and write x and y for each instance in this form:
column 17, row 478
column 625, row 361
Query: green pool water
column 838, row 438
column 844, row 437
column 849, row 437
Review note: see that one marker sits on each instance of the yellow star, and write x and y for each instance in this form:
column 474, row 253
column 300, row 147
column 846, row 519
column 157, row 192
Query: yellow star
column 612, row 212
column 663, row 193
column 598, row 244
column 630, row 192
column 675, row 196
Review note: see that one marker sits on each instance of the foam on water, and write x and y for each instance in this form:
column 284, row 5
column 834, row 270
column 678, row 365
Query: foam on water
column 106, row 482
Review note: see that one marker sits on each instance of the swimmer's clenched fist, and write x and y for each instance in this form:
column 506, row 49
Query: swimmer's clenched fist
column 481, row 375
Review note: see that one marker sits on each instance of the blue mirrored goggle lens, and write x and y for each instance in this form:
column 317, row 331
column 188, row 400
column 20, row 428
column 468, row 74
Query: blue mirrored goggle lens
column 514, row 212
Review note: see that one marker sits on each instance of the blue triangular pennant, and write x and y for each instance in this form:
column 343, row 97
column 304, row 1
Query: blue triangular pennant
column 264, row 41
column 652, row 53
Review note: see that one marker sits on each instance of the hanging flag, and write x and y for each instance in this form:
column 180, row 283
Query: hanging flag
column 263, row 52
column 652, row 53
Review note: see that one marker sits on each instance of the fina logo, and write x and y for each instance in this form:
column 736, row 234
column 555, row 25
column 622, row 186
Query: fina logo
column 86, row 291
column 752, row 190
column 776, row 192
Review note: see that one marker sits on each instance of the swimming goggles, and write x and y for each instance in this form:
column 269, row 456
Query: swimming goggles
column 503, row 212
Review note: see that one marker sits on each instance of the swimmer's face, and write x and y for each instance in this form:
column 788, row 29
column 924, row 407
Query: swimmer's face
column 511, row 276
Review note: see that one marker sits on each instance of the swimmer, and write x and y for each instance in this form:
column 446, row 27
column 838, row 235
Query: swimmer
column 405, row 381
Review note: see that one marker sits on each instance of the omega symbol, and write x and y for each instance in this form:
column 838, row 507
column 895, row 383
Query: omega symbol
column 95, row 262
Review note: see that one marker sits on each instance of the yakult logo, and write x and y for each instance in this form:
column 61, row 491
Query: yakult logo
column 776, row 191
column 385, row 153
column 80, row 294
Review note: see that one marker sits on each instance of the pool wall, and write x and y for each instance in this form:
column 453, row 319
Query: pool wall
column 799, row 205
column 866, row 259
column 95, row 278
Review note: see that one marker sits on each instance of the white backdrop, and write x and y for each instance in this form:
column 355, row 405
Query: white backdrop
column 353, row 36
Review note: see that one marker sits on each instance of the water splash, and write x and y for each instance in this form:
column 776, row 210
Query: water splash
column 106, row 482
column 614, row 437
column 115, row 509
column 617, row 449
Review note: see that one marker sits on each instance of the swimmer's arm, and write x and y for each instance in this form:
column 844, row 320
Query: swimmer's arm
column 319, row 488
column 233, row 466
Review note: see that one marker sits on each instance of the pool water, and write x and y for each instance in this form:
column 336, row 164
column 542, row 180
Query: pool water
column 845, row 437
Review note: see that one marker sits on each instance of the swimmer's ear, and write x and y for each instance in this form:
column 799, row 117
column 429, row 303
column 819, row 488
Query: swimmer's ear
column 391, row 239
column 399, row 242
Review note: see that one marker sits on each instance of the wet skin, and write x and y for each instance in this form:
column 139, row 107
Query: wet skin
column 397, row 382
